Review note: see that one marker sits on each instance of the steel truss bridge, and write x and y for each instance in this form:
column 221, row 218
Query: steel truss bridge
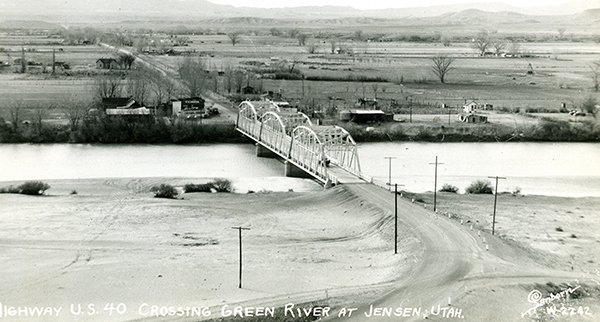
column 326, row 153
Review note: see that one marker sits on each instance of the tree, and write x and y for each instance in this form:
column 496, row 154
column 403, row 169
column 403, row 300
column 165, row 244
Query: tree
column 292, row 64
column 358, row 35
column 126, row 60
column 441, row 65
column 194, row 75
column 138, row 85
column 589, row 105
column 498, row 45
column 302, row 39
column 108, row 85
column 15, row 111
column 74, row 109
column 312, row 47
column 235, row 37
column 561, row 32
column 333, row 43
column 481, row 42
column 39, row 114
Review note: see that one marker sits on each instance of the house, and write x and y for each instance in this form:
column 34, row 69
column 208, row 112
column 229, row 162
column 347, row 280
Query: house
column 107, row 63
column 470, row 107
column 249, row 90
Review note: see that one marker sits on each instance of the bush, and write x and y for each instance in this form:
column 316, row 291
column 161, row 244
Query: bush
column 222, row 185
column 34, row 188
column 480, row 187
column 164, row 191
column 449, row 188
column 10, row 189
column 203, row 187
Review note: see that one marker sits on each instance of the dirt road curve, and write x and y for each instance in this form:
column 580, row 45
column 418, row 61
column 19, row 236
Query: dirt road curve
column 455, row 259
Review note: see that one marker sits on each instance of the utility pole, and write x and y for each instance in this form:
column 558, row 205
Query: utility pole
column 53, row 60
column 410, row 110
column 389, row 183
column 435, row 185
column 396, row 218
column 240, row 230
column 495, row 200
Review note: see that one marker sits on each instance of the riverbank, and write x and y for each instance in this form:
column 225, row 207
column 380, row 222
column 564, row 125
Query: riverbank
column 149, row 130
column 114, row 242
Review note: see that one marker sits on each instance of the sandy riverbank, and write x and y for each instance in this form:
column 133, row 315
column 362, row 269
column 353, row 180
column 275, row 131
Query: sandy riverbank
column 113, row 243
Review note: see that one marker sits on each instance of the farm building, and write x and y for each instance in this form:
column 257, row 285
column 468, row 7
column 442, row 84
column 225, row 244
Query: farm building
column 365, row 116
column 470, row 107
column 123, row 106
column 473, row 118
column 107, row 63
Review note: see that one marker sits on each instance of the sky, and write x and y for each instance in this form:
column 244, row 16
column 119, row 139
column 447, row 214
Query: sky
column 375, row 4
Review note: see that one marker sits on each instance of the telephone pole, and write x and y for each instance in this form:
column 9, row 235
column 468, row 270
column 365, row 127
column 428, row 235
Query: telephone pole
column 240, row 231
column 435, row 185
column 396, row 218
column 389, row 183
column 495, row 200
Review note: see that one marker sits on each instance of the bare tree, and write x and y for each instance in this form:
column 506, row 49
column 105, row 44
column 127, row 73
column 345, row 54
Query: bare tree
column 138, row 85
column 333, row 43
column 358, row 35
column 194, row 75
column 441, row 65
column 235, row 37
column 561, row 32
column 312, row 47
column 292, row 64
column 74, row 109
column 108, row 85
column 294, row 33
column 514, row 48
column 126, row 60
column 595, row 67
column 302, row 39
column 481, row 42
column 161, row 86
column 497, row 44
column 40, row 113
column 15, row 112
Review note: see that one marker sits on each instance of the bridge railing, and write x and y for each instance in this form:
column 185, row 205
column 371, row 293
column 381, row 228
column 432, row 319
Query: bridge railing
column 311, row 158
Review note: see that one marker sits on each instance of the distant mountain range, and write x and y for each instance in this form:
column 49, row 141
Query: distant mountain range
column 65, row 11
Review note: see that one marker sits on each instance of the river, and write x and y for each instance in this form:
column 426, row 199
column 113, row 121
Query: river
column 564, row 169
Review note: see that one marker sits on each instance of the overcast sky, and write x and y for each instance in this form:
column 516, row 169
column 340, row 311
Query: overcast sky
column 375, row 4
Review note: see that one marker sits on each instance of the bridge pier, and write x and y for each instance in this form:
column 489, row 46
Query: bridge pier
column 293, row 171
column 263, row 152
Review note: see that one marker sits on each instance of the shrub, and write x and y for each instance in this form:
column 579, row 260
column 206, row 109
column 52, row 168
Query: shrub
column 203, row 187
column 559, row 229
column 480, row 187
column 164, row 191
column 10, row 189
column 33, row 188
column 222, row 185
column 449, row 188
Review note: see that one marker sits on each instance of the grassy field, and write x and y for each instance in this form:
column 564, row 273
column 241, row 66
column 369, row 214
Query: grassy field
column 554, row 74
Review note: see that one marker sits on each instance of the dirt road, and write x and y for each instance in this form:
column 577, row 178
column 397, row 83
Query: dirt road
column 456, row 261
